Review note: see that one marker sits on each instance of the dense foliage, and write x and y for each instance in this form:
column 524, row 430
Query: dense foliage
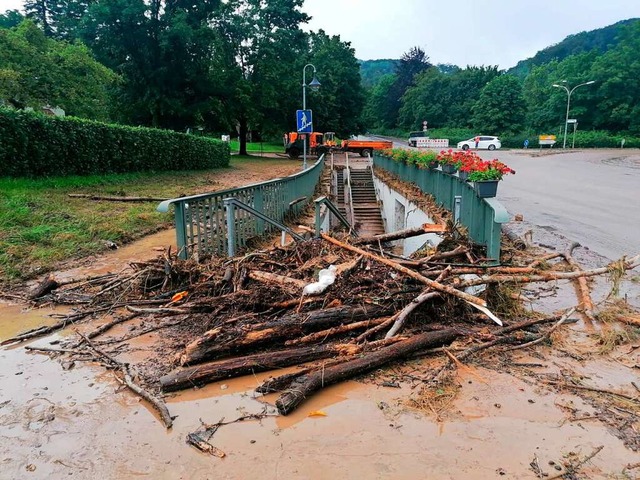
column 35, row 145
column 36, row 70
column 485, row 100
column 232, row 66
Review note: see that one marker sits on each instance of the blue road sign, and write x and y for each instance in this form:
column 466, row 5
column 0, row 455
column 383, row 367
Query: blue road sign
column 304, row 121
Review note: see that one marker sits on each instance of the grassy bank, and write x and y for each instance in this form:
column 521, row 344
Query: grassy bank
column 41, row 226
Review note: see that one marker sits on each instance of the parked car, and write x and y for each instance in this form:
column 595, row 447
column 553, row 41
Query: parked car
column 488, row 143
column 413, row 136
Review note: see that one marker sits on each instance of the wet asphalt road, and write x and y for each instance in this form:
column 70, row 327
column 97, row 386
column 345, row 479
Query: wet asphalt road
column 590, row 196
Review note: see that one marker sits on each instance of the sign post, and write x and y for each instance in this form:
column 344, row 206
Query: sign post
column 424, row 126
column 575, row 126
column 304, row 125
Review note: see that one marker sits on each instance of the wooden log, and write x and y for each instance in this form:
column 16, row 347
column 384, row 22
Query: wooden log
column 270, row 278
column 234, row 367
column 629, row 264
column 415, row 275
column 406, row 233
column 322, row 335
column 47, row 285
column 304, row 386
column 586, row 303
column 116, row 199
column 217, row 341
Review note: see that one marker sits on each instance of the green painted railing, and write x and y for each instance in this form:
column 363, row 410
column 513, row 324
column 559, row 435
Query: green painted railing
column 481, row 216
column 201, row 223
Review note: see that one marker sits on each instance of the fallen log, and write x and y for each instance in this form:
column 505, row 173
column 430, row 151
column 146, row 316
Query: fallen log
column 586, row 303
column 322, row 335
column 406, row 233
column 304, row 386
column 199, row 375
column 47, row 285
column 270, row 278
column 116, row 199
column 217, row 341
column 545, row 276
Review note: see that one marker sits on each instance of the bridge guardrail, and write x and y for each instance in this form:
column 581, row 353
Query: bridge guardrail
column 481, row 216
column 201, row 223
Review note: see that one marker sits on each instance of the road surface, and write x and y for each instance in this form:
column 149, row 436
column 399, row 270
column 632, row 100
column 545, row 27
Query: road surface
column 589, row 196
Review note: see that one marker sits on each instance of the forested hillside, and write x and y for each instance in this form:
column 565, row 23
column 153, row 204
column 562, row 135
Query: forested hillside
column 599, row 40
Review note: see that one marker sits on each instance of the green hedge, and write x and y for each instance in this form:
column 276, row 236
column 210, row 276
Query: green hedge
column 34, row 145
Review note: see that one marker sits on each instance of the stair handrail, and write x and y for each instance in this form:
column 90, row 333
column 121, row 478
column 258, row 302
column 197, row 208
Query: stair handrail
column 347, row 191
column 333, row 209
column 231, row 204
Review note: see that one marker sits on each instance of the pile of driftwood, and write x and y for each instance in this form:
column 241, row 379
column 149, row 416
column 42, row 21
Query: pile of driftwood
column 225, row 318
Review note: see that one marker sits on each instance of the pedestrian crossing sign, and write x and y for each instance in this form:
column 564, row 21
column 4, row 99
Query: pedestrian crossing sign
column 304, row 121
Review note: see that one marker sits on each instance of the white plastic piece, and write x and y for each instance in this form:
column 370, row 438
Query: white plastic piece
column 474, row 290
column 487, row 312
column 325, row 278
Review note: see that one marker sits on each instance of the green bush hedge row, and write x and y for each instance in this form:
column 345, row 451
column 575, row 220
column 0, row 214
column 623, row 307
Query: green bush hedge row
column 34, row 145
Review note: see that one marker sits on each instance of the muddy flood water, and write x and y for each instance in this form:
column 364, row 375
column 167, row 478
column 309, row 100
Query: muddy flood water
column 75, row 420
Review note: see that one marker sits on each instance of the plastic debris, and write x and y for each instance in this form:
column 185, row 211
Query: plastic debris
column 326, row 277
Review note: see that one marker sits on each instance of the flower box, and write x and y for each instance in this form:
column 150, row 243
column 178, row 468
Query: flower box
column 486, row 188
column 448, row 168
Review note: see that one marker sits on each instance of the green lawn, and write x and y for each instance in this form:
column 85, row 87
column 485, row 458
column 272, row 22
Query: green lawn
column 41, row 226
column 257, row 147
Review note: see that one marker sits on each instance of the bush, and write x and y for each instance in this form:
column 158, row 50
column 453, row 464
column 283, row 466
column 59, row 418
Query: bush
column 34, row 145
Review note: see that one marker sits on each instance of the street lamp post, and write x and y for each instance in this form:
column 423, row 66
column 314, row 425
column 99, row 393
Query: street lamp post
column 569, row 92
column 314, row 85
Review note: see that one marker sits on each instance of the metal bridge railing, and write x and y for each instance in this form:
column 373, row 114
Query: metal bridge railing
column 481, row 216
column 201, row 220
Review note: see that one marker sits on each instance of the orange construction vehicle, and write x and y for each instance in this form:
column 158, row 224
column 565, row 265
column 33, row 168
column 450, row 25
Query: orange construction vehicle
column 319, row 143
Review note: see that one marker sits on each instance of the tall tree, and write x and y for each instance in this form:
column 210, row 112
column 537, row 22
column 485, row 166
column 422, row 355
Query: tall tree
column 40, row 11
column 339, row 102
column 500, row 108
column 265, row 48
column 411, row 64
column 166, row 52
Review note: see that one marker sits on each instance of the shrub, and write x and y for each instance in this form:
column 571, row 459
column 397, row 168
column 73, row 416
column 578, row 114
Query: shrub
column 34, row 145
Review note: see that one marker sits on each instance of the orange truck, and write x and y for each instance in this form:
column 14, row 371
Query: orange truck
column 319, row 143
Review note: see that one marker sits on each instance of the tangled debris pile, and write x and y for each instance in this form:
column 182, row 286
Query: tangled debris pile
column 226, row 318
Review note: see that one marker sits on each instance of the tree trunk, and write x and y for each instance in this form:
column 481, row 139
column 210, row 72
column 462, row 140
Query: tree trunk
column 308, row 384
column 407, row 233
column 219, row 342
column 235, row 367
column 242, row 136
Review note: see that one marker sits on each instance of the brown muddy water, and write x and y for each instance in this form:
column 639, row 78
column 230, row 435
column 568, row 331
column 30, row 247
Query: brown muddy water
column 59, row 420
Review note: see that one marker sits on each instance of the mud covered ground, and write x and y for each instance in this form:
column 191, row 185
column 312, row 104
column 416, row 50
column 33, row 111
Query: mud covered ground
column 503, row 415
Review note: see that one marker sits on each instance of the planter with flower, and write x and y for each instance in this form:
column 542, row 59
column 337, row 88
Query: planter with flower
column 427, row 160
column 449, row 161
column 486, row 175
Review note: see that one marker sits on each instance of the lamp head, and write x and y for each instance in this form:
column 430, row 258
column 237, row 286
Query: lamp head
column 590, row 82
column 314, row 84
column 556, row 85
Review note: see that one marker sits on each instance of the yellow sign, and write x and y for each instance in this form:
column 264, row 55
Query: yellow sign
column 547, row 137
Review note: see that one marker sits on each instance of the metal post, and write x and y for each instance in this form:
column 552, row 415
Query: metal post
column 457, row 204
column 575, row 127
column 231, row 227
column 566, row 120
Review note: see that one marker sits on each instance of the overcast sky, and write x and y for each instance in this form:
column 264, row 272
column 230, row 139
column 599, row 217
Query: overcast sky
column 462, row 32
